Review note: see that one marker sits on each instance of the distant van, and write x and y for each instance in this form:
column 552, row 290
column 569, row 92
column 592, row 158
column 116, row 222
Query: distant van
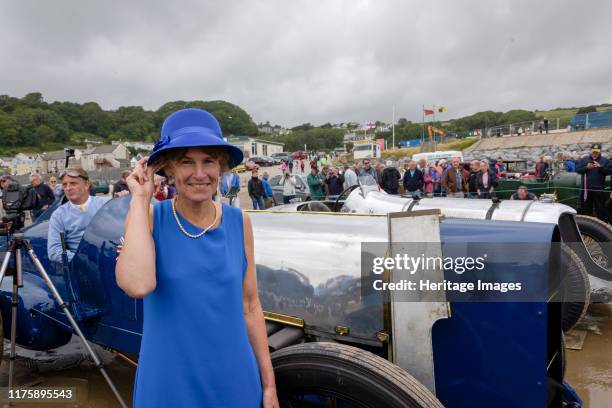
column 436, row 156
column 366, row 151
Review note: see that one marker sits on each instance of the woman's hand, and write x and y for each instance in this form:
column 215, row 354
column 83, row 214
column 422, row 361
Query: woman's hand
column 270, row 399
column 140, row 181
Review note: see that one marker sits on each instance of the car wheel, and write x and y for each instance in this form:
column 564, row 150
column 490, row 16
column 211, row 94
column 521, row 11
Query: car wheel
column 575, row 287
column 597, row 237
column 324, row 374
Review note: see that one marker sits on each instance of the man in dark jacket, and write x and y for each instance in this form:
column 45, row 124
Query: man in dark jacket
column 473, row 179
column 334, row 182
column 487, row 180
column 390, row 180
column 121, row 185
column 413, row 179
column 44, row 196
column 256, row 191
column 594, row 169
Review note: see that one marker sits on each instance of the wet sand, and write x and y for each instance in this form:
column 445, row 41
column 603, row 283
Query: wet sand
column 589, row 370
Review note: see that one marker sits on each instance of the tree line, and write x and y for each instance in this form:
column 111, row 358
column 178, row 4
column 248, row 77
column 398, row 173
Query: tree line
column 32, row 122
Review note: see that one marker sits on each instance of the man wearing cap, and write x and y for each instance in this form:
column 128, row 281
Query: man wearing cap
column 72, row 217
column 594, row 169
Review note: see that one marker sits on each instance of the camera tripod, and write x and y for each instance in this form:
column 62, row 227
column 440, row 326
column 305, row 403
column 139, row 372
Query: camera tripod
column 14, row 248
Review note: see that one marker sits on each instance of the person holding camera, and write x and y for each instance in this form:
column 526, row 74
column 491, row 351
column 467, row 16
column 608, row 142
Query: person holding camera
column 72, row 217
column 191, row 259
column 335, row 182
column 288, row 182
column 44, row 196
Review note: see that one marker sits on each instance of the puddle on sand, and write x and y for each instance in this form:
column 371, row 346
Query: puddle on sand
column 589, row 371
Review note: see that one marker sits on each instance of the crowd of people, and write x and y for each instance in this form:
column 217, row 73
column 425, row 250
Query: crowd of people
column 478, row 179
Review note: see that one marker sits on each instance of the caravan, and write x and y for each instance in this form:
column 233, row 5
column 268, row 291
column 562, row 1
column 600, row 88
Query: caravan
column 370, row 150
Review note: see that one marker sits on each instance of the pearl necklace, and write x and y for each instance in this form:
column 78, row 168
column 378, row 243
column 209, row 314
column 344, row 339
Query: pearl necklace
column 194, row 236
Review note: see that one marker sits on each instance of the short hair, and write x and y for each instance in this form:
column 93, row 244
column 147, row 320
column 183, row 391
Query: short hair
column 35, row 175
column 125, row 173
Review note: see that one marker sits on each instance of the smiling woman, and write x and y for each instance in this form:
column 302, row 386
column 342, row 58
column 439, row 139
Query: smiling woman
column 192, row 261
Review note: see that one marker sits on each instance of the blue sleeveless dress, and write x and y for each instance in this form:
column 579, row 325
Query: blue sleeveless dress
column 195, row 351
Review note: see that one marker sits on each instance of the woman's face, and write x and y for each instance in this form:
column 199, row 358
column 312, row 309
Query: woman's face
column 196, row 175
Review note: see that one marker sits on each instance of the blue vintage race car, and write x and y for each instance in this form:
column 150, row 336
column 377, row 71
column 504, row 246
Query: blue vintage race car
column 335, row 342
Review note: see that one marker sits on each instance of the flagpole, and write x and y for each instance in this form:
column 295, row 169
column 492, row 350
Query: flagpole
column 423, row 123
column 393, row 127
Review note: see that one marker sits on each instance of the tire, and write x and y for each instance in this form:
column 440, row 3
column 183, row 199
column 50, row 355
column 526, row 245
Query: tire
column 341, row 373
column 1, row 339
column 594, row 231
column 575, row 286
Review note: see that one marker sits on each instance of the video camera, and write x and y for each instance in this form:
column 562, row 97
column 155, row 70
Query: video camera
column 16, row 199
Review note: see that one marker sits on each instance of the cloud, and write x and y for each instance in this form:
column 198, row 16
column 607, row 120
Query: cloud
column 311, row 61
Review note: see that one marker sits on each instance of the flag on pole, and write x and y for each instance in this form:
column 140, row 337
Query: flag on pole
column 442, row 109
column 428, row 112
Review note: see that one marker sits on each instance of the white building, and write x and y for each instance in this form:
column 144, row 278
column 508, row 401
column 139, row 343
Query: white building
column 255, row 147
column 105, row 156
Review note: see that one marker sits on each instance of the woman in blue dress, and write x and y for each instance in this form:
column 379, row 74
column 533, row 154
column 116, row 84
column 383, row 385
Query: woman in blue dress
column 204, row 340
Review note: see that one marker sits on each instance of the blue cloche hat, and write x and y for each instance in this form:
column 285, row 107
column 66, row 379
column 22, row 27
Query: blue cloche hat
column 193, row 128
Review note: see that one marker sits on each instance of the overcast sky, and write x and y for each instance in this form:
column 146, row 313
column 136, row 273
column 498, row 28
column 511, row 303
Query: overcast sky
column 315, row 61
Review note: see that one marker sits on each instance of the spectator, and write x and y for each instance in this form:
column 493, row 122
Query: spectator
column 334, row 183
column 283, row 166
column 72, row 217
column 4, row 182
column 594, row 169
column 290, row 163
column 390, row 179
column 121, row 185
column 568, row 164
column 413, row 179
column 57, row 188
column 487, row 180
column 545, row 125
column 455, row 180
column 473, row 179
column 288, row 182
column 161, row 191
column 302, row 166
column 500, row 167
column 379, row 170
column 229, row 186
column 350, row 177
column 256, row 191
column 422, row 165
column 315, row 184
column 541, row 167
column 268, row 194
column 44, row 196
column 430, row 180
column 523, row 194
column 443, row 165
column 171, row 188
column 367, row 169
